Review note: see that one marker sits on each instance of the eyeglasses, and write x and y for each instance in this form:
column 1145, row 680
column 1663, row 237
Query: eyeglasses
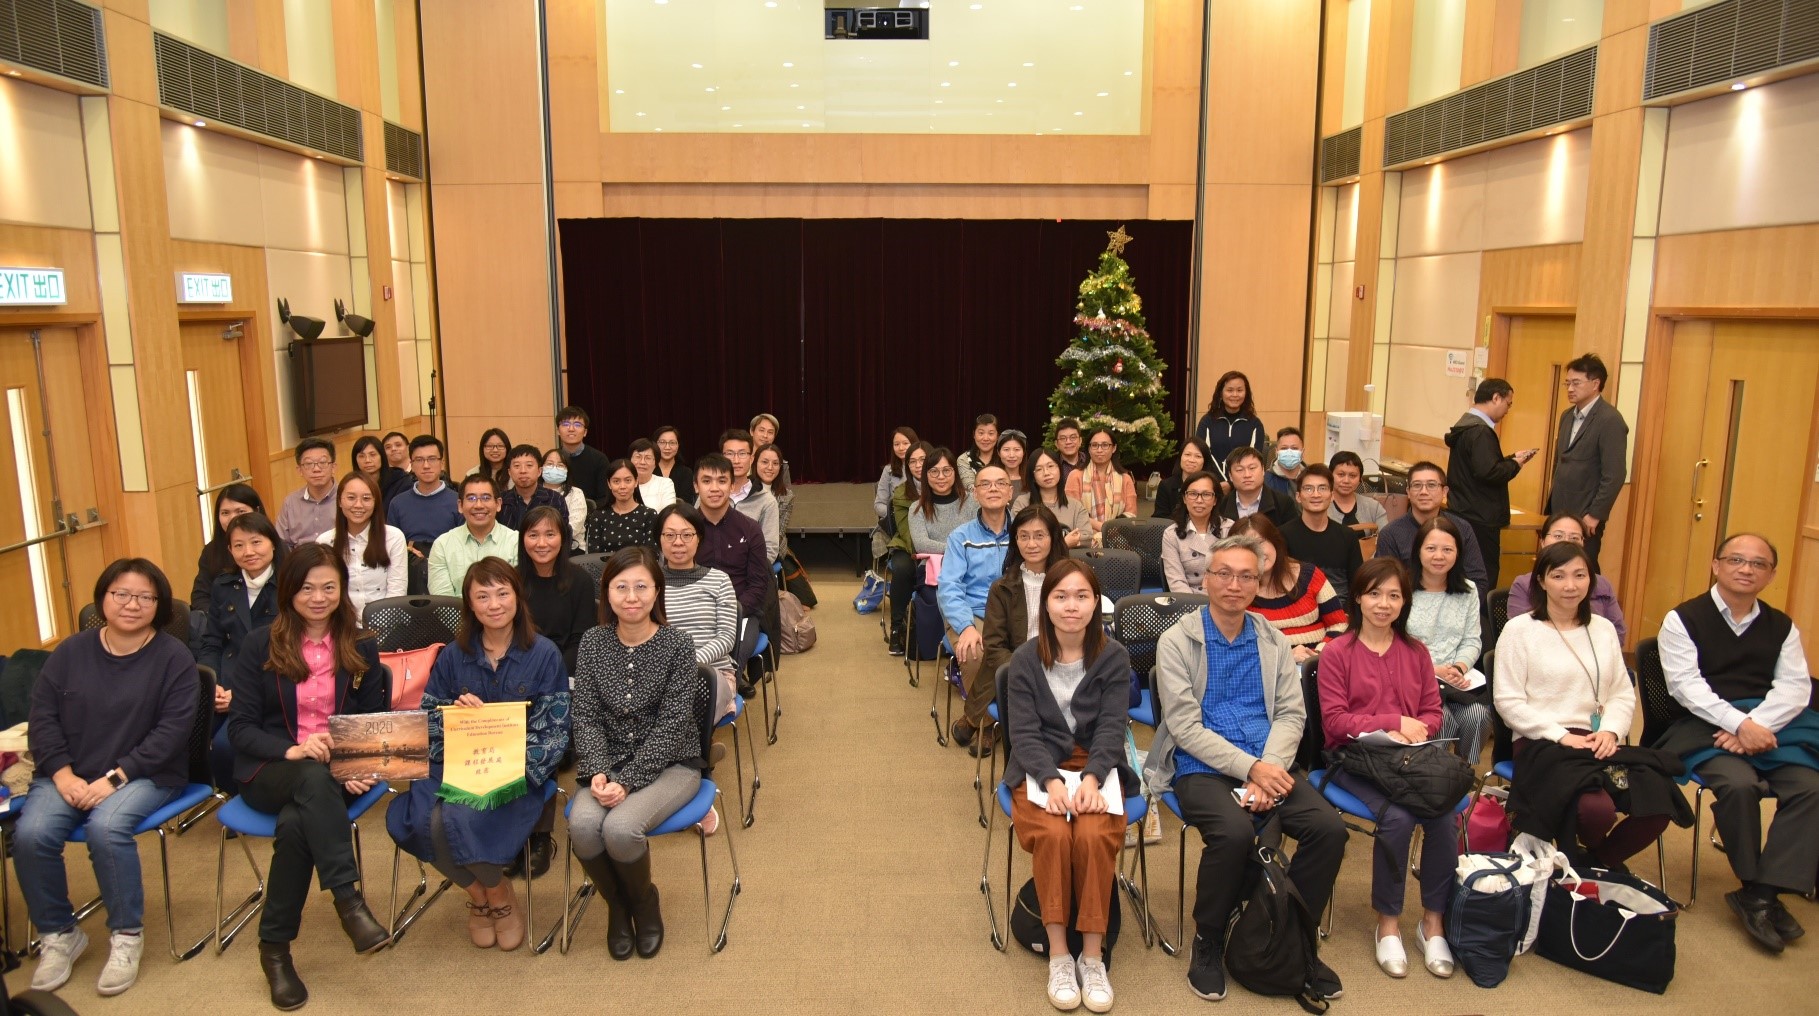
column 631, row 589
column 941, row 471
column 1312, row 488
column 569, row 424
column 738, row 455
column 1033, row 537
column 1752, row 563
column 682, row 537
column 1575, row 382
column 1198, row 495
column 316, row 464
column 1426, row 485
column 993, row 484
column 1101, row 446
column 478, row 499
column 122, row 597
column 1227, row 577
column 1565, row 536
column 425, row 460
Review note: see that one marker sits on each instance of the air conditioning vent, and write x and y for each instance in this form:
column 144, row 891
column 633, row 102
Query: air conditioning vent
column 1721, row 42
column 199, row 82
column 1550, row 94
column 1339, row 155
column 403, row 151
column 59, row 37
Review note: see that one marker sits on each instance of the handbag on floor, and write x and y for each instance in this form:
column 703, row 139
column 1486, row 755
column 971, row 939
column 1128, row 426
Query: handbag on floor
column 1487, row 822
column 1488, row 914
column 871, row 593
column 1610, row 924
column 1273, row 939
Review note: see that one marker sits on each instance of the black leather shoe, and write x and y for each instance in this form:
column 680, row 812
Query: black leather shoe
column 543, row 850
column 646, row 913
column 1756, row 915
column 1785, row 925
column 961, row 733
column 605, row 875
column 288, row 991
column 363, row 929
column 746, row 689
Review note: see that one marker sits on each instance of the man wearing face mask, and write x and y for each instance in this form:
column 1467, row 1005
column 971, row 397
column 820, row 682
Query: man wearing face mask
column 1286, row 471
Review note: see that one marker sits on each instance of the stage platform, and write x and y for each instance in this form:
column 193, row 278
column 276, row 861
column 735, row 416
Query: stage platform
column 839, row 513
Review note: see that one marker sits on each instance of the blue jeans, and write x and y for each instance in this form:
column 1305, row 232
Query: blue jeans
column 45, row 826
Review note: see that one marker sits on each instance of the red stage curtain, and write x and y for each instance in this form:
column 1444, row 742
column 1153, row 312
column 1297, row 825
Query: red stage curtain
column 843, row 328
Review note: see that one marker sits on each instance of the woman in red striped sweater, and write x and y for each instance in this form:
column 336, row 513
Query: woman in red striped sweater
column 1293, row 596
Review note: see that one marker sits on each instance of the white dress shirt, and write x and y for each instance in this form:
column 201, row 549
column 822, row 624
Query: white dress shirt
column 658, row 492
column 1787, row 696
column 365, row 584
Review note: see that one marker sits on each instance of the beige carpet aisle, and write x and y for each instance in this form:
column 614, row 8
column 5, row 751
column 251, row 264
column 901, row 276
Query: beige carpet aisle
column 861, row 895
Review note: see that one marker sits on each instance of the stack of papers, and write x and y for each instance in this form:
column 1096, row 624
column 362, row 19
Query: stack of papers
column 1114, row 798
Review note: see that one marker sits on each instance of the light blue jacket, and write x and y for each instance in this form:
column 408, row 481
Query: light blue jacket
column 974, row 560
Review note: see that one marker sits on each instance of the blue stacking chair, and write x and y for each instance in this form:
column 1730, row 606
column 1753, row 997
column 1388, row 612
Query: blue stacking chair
column 766, row 659
column 402, row 920
column 684, row 818
column 1136, row 808
column 198, row 792
column 246, row 822
column 1138, row 623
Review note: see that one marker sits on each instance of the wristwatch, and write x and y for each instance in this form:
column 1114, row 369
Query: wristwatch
column 116, row 778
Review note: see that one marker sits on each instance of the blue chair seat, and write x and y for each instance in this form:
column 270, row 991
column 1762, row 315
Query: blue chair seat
column 1135, row 808
column 738, row 710
column 776, row 567
column 1505, row 769
column 1172, row 803
column 1153, row 591
column 1144, row 711
column 991, row 709
column 689, row 814
column 191, row 796
column 763, row 646
column 244, row 819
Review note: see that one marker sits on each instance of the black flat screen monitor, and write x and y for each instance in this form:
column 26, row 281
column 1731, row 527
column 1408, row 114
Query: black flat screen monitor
column 328, row 384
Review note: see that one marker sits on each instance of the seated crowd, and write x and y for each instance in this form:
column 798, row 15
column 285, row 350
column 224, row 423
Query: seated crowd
column 1294, row 622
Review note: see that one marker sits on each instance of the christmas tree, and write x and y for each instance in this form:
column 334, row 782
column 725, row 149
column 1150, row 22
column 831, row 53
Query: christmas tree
column 1111, row 375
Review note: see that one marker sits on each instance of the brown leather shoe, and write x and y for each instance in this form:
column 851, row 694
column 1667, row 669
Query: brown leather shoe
column 288, row 991
column 363, row 929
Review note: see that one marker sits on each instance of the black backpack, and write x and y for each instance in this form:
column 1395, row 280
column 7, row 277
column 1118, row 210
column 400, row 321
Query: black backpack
column 1026, row 923
column 1272, row 941
column 1427, row 779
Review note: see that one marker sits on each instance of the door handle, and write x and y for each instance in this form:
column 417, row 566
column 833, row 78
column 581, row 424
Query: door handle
column 1698, row 478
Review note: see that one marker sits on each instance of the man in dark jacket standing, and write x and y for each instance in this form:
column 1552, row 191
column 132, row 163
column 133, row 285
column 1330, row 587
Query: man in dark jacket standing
column 1591, row 458
column 1479, row 474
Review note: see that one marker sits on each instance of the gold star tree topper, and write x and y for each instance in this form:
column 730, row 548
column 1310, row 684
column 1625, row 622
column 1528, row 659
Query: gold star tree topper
column 1115, row 240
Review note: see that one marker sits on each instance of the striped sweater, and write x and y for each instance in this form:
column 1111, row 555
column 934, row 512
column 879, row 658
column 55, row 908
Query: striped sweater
column 702, row 603
column 1309, row 615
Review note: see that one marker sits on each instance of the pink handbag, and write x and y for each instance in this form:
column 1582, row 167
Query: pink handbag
column 410, row 674
column 1487, row 823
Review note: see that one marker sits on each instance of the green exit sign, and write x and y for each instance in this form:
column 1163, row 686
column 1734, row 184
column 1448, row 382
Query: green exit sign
column 31, row 287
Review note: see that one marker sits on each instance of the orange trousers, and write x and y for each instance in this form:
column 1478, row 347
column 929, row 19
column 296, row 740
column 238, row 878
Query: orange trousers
column 1071, row 860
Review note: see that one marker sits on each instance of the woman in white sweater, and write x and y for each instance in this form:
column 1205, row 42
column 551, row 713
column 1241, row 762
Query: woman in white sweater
column 1444, row 618
column 1560, row 677
column 377, row 568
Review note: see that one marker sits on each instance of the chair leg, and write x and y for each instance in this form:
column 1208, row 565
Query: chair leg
column 985, row 883
column 1181, row 890
column 1698, row 814
column 170, row 919
column 767, row 684
column 573, row 907
column 246, row 909
column 934, row 697
column 715, row 943
column 748, row 806
column 402, row 919
column 200, row 812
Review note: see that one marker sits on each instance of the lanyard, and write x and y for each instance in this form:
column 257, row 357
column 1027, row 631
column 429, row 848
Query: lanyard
column 1591, row 675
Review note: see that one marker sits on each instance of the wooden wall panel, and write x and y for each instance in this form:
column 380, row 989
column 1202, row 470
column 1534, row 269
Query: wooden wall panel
column 574, row 73
column 1263, row 134
column 1255, row 303
column 1172, row 112
column 484, row 120
column 1411, row 447
column 1528, row 278
column 815, row 201
column 872, row 158
column 1610, row 217
column 258, row 374
column 1746, row 268
column 72, row 250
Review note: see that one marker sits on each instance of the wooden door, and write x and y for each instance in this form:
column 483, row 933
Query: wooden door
column 211, row 365
column 47, row 478
column 1539, row 348
column 1736, row 448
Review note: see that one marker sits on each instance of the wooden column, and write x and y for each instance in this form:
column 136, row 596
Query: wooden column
column 1385, row 92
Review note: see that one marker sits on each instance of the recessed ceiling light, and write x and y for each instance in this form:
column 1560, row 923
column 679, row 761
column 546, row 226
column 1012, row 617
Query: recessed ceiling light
column 1128, row 73
column 738, row 125
column 801, row 107
column 1077, row 7
column 953, row 63
column 1079, row 112
column 974, row 7
column 640, row 114
column 770, row 3
column 725, row 108
column 659, row 130
column 695, row 66
column 1029, row 63
column 710, row 88
column 202, row 123
column 795, row 84
column 805, row 125
column 618, row 91
column 1103, row 94
column 947, row 84
column 1011, row 85
column 1738, row 86
column 1568, row 21
column 787, row 63
column 939, row 101
column 997, row 100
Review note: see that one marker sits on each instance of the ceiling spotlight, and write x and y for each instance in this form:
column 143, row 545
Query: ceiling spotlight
column 361, row 326
column 709, row 88
column 305, row 327
column 1103, row 94
column 953, row 63
column 202, row 123
column 725, row 108
column 12, row 74
column 659, row 130
column 974, row 7
column 770, row 3
column 695, row 66
column 618, row 91
column 801, row 107
column 1079, row 112
column 788, row 63
column 805, row 125
column 794, row 84
column 1129, row 73
column 1029, row 63
column 640, row 114
column 1738, row 86
column 1011, row 85
column 947, row 84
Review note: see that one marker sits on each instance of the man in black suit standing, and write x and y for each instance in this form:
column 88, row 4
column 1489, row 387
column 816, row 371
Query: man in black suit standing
column 1590, row 453
column 1478, row 474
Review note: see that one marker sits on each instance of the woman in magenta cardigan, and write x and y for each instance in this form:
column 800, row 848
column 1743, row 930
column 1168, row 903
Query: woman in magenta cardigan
column 1375, row 677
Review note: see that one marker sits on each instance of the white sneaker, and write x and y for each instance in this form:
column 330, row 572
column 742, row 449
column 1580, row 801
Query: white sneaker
column 1095, row 987
column 56, row 954
column 122, row 963
column 1063, row 989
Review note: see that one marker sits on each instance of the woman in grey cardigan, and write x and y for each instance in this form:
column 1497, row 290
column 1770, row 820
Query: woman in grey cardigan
column 1444, row 618
column 942, row 506
column 1066, row 693
column 894, row 473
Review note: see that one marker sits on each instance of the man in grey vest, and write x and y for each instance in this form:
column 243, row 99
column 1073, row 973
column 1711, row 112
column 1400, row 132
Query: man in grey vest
column 1738, row 667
